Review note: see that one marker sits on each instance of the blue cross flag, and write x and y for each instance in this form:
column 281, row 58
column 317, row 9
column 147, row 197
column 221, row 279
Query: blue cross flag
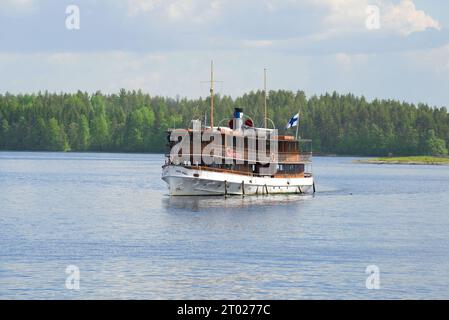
column 293, row 121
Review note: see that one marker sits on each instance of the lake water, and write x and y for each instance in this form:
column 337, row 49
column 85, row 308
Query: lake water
column 109, row 215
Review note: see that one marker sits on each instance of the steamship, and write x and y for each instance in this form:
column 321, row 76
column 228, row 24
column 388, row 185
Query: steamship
column 236, row 159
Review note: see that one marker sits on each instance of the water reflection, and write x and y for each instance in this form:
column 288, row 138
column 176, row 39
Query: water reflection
column 199, row 203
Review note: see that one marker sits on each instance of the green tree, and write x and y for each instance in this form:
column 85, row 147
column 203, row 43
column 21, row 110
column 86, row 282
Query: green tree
column 132, row 121
column 57, row 140
column 39, row 138
column 100, row 133
column 138, row 129
column 72, row 136
column 4, row 134
column 83, row 134
column 434, row 146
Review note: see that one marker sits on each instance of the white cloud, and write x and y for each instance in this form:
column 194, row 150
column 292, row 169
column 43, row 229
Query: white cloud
column 299, row 40
column 197, row 11
column 137, row 6
column 19, row 3
column 17, row 6
column 405, row 19
column 350, row 15
column 258, row 43
column 343, row 59
column 436, row 59
column 351, row 61
column 70, row 71
column 271, row 24
column 343, row 14
column 395, row 75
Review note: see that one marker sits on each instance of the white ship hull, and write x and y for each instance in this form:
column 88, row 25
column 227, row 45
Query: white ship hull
column 191, row 182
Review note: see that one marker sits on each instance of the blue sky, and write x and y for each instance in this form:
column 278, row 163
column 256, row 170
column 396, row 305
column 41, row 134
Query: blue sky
column 164, row 47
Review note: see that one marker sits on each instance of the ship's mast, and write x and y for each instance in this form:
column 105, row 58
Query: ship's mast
column 265, row 96
column 212, row 95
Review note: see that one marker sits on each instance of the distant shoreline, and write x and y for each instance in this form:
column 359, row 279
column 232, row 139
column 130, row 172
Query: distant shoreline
column 412, row 160
column 416, row 160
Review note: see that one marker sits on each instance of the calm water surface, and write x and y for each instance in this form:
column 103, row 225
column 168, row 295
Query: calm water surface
column 109, row 214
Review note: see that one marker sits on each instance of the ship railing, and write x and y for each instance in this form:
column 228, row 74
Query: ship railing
column 226, row 155
column 248, row 173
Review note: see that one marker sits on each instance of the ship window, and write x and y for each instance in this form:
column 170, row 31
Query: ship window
column 293, row 146
column 290, row 168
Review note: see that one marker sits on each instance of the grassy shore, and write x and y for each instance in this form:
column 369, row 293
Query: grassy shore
column 408, row 160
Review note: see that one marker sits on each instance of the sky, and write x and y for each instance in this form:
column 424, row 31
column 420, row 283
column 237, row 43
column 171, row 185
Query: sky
column 388, row 49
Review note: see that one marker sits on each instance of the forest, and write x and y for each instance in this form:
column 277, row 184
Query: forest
column 132, row 121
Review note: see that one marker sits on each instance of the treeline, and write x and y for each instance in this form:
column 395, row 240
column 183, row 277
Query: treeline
column 136, row 122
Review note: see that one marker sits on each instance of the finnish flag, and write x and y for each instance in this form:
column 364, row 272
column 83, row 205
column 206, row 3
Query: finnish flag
column 293, row 121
